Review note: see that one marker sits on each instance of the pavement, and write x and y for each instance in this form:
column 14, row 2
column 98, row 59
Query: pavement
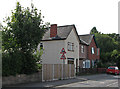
column 97, row 80
column 50, row 83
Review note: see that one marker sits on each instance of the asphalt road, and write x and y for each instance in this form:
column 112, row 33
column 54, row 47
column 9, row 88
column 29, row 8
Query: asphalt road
column 98, row 80
column 101, row 80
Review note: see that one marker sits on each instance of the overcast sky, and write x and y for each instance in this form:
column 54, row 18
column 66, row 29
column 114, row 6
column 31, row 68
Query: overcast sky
column 85, row 14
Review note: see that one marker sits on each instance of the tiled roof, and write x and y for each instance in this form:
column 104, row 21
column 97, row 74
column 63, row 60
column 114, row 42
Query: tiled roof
column 86, row 39
column 62, row 33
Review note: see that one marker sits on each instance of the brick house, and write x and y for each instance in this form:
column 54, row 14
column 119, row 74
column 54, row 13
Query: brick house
column 89, row 52
column 82, row 52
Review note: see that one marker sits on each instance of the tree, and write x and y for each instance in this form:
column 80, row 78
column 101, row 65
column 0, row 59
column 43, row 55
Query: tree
column 109, row 45
column 24, row 29
column 21, row 36
column 93, row 30
column 118, row 60
column 0, row 26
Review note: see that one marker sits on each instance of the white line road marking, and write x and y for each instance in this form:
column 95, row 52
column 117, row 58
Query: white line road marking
column 69, row 84
column 86, row 82
column 111, row 84
column 72, row 84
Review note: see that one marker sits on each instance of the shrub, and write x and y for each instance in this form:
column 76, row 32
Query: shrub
column 18, row 63
column 11, row 64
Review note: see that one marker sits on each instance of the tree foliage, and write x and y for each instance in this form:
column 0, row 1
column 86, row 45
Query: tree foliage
column 21, row 37
column 93, row 30
column 109, row 45
column 24, row 29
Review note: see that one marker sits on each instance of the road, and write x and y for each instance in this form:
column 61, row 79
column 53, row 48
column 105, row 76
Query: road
column 97, row 80
column 101, row 80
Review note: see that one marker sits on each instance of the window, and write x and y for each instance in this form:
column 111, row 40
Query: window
column 83, row 64
column 70, row 46
column 87, row 63
column 82, row 49
column 111, row 68
column 70, row 60
column 93, row 50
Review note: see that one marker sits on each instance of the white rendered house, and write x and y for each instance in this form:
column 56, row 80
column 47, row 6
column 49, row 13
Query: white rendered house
column 57, row 38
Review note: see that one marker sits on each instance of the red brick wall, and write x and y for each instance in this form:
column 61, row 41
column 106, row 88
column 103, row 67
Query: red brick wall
column 83, row 55
column 81, row 63
column 90, row 55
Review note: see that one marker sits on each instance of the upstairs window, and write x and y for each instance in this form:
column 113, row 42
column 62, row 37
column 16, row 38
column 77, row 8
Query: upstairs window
column 93, row 50
column 70, row 46
column 82, row 49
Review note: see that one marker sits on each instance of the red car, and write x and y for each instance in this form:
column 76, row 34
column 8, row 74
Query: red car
column 113, row 70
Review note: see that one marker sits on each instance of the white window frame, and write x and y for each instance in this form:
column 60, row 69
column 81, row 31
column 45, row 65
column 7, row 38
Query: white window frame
column 83, row 64
column 82, row 49
column 87, row 64
column 93, row 50
column 70, row 46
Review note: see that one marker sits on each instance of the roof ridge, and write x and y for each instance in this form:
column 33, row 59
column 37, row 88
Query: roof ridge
column 84, row 41
column 86, row 34
column 62, row 31
column 66, row 25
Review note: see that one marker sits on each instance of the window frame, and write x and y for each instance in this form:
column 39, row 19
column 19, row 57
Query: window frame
column 82, row 48
column 87, row 64
column 70, row 46
column 92, row 50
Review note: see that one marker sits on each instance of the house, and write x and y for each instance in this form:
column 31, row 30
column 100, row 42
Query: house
column 61, row 45
column 82, row 53
column 89, row 52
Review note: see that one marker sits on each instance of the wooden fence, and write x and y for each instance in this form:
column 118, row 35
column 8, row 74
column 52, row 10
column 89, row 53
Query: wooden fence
column 57, row 71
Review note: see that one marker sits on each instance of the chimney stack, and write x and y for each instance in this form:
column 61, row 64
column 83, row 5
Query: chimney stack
column 53, row 30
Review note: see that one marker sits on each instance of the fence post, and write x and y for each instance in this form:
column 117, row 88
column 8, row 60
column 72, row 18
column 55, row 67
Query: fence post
column 70, row 70
column 42, row 73
column 62, row 71
column 53, row 71
column 74, row 71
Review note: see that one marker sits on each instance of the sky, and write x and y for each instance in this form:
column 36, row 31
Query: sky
column 84, row 14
